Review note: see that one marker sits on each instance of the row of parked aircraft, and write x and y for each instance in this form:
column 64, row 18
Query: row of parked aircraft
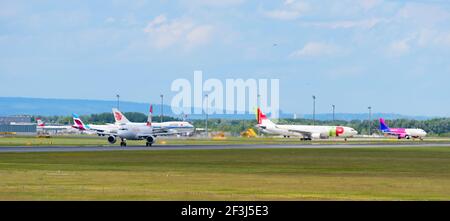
column 308, row 132
column 124, row 129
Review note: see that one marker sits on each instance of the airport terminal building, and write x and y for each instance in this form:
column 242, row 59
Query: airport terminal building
column 20, row 125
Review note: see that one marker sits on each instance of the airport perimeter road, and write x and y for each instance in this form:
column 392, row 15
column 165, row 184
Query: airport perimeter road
column 11, row 149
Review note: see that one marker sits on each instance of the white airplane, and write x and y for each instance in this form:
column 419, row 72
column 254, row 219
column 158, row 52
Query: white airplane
column 172, row 127
column 146, row 131
column 41, row 126
column 101, row 130
column 306, row 132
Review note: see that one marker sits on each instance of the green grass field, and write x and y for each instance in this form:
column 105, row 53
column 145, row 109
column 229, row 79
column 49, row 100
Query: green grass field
column 403, row 173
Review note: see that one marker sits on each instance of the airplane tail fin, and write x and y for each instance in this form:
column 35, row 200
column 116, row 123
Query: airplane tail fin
column 78, row 123
column 119, row 117
column 150, row 114
column 40, row 123
column 262, row 118
column 383, row 125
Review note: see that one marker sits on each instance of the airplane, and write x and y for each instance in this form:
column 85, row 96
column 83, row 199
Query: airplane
column 41, row 126
column 172, row 127
column 145, row 131
column 306, row 132
column 407, row 133
column 101, row 130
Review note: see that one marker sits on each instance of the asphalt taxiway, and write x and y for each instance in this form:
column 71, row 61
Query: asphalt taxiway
column 28, row 149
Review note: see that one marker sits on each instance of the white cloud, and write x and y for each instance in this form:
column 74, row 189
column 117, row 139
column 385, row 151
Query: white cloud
column 430, row 37
column 165, row 33
column 215, row 3
column 365, row 23
column 314, row 49
column 398, row 48
column 423, row 15
column 290, row 10
column 199, row 35
column 369, row 4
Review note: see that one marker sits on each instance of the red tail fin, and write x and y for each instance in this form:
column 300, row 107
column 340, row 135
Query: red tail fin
column 260, row 116
column 149, row 120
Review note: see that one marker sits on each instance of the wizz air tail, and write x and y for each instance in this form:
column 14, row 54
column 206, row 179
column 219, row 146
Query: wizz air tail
column 119, row 117
column 262, row 118
column 78, row 123
column 383, row 126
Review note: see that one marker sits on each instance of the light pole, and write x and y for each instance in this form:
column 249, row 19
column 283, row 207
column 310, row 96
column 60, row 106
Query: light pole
column 334, row 106
column 118, row 97
column 258, row 101
column 370, row 119
column 162, row 109
column 206, row 113
column 314, row 110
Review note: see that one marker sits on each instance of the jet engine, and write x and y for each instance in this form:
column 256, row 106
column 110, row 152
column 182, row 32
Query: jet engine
column 319, row 136
column 150, row 139
column 112, row 139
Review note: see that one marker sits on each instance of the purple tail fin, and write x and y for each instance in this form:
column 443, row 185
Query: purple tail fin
column 383, row 125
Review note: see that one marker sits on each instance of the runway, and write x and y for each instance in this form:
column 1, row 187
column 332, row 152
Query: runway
column 30, row 149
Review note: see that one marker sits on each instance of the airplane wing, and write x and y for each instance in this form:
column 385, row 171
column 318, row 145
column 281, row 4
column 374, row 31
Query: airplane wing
column 159, row 132
column 391, row 133
column 105, row 133
column 303, row 133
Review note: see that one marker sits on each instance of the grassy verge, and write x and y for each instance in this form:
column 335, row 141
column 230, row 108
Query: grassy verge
column 405, row 173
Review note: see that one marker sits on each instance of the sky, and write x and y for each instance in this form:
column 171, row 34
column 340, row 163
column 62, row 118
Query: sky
column 391, row 55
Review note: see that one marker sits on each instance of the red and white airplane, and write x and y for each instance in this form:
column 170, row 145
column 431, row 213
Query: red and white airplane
column 306, row 132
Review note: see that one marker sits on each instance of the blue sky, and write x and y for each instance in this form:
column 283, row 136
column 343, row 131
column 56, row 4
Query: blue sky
column 392, row 55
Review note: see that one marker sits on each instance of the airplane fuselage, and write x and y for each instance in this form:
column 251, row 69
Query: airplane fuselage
column 315, row 131
column 406, row 132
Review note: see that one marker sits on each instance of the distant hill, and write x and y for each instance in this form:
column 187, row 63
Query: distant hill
column 64, row 107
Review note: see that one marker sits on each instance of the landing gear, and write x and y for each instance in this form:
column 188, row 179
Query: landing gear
column 123, row 143
column 148, row 144
column 306, row 138
column 345, row 139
